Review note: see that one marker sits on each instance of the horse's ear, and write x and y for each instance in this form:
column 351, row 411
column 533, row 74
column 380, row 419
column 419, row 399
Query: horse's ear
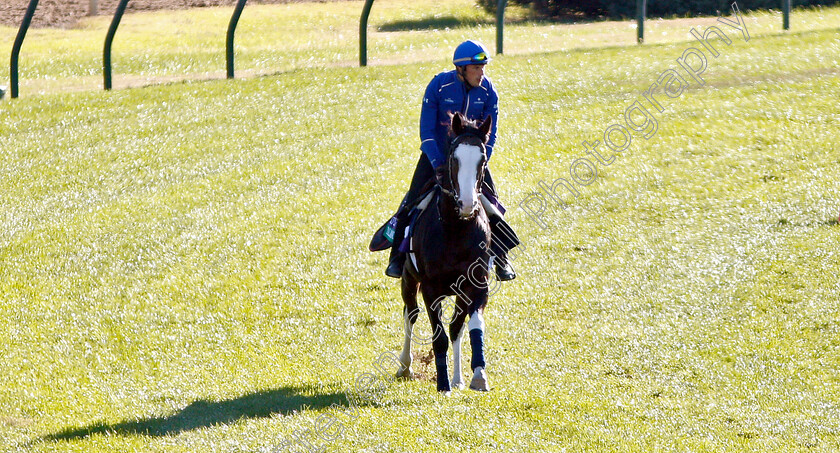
column 485, row 127
column 457, row 124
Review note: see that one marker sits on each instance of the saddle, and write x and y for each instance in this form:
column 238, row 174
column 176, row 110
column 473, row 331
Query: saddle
column 383, row 239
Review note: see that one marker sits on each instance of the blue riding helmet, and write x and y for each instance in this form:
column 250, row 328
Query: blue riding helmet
column 470, row 52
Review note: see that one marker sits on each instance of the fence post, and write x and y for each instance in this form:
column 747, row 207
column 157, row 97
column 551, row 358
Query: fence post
column 93, row 8
column 500, row 26
column 363, row 33
column 786, row 14
column 24, row 26
column 106, row 60
column 641, row 12
column 234, row 20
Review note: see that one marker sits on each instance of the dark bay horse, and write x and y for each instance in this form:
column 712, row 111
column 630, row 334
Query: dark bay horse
column 450, row 256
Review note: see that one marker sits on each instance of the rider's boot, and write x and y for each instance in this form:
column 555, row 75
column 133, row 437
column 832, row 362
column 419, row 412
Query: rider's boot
column 397, row 258
column 504, row 271
column 395, row 263
column 503, row 239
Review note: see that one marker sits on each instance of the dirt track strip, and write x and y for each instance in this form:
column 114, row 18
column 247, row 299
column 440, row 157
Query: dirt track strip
column 65, row 13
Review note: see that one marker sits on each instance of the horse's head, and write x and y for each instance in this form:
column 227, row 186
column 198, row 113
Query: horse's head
column 466, row 162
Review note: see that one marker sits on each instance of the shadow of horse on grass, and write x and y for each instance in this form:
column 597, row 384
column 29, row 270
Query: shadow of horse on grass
column 205, row 413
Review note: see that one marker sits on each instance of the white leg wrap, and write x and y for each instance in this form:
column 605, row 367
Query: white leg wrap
column 476, row 321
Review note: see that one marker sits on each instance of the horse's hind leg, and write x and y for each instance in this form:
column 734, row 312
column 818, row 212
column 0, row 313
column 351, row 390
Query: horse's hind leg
column 456, row 334
column 410, row 312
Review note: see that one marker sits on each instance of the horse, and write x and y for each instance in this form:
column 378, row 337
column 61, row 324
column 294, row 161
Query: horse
column 450, row 256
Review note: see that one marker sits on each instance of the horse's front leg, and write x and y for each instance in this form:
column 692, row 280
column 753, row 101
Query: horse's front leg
column 476, row 327
column 440, row 342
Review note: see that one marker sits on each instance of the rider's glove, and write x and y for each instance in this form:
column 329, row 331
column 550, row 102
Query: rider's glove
column 440, row 174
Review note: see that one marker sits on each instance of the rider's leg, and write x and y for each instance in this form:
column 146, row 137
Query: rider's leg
column 423, row 173
column 503, row 237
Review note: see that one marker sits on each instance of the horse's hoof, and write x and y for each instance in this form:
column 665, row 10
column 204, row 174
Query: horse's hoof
column 405, row 373
column 458, row 385
column 479, row 381
column 446, row 393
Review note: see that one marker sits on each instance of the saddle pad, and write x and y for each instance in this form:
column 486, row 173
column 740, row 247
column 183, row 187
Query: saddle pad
column 379, row 241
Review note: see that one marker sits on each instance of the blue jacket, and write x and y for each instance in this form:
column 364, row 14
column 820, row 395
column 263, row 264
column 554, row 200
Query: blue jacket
column 446, row 94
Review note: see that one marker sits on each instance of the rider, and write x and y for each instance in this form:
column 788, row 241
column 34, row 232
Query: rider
column 466, row 90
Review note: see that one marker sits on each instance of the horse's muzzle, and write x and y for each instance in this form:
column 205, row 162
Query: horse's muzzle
column 465, row 211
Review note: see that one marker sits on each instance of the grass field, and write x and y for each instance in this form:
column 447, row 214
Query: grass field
column 183, row 267
column 188, row 45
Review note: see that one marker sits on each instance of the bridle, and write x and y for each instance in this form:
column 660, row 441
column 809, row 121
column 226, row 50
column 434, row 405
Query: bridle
column 450, row 162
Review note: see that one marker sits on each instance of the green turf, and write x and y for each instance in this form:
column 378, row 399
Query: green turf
column 170, row 46
column 183, row 267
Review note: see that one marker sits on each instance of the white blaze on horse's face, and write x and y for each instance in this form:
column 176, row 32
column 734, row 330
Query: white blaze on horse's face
column 469, row 158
